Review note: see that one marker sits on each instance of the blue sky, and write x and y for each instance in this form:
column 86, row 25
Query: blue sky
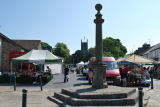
column 133, row 22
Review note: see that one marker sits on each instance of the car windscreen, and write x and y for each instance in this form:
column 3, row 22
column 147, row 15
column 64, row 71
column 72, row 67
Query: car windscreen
column 111, row 65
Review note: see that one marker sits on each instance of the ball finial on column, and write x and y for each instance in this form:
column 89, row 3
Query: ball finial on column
column 98, row 7
column 98, row 19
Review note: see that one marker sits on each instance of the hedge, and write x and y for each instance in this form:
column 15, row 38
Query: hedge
column 24, row 79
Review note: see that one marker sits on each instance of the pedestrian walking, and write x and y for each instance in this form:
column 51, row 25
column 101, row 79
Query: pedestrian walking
column 48, row 70
column 37, row 76
column 66, row 74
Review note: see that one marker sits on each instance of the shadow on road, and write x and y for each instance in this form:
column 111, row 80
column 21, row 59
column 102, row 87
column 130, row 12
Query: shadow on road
column 5, row 84
column 58, row 82
column 82, row 79
column 80, row 75
column 79, row 84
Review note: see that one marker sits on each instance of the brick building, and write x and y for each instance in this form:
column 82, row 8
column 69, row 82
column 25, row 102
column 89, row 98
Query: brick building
column 153, row 52
column 141, row 50
column 6, row 46
column 30, row 44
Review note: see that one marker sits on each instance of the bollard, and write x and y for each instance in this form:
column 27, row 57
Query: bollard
column 14, row 82
column 10, row 79
column 41, row 81
column 140, row 93
column 24, row 98
column 151, row 81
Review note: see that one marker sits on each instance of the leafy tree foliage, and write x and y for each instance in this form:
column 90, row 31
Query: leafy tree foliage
column 68, row 59
column 113, row 47
column 62, row 50
column 91, row 53
column 78, row 56
column 44, row 44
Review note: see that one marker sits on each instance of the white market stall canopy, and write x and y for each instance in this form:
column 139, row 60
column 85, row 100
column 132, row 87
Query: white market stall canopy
column 39, row 57
column 80, row 64
column 137, row 59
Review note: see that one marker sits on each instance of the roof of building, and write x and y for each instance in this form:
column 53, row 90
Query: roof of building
column 11, row 41
column 157, row 46
column 29, row 44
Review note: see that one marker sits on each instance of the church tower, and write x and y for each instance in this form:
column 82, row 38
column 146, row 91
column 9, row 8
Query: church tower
column 84, row 46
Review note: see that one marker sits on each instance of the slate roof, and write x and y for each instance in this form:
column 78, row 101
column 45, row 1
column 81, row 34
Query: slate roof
column 29, row 44
column 11, row 41
column 157, row 46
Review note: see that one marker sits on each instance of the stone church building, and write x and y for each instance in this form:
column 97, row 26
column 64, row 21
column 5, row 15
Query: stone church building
column 84, row 47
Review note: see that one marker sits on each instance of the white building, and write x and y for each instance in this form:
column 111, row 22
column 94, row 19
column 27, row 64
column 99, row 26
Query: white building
column 153, row 52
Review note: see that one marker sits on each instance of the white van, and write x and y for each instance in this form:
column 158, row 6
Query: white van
column 85, row 68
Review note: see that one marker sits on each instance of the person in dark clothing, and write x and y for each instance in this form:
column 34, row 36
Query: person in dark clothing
column 48, row 71
column 66, row 74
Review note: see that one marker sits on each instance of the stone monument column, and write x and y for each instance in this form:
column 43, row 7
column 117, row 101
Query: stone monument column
column 99, row 68
column 98, row 21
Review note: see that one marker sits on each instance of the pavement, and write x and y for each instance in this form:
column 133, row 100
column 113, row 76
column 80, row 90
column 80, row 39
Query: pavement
column 38, row 98
column 35, row 97
column 154, row 94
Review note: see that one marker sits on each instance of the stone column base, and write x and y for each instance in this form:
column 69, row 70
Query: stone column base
column 99, row 75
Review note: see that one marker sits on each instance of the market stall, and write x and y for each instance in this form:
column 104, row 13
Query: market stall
column 80, row 66
column 133, row 70
column 136, row 59
column 42, row 58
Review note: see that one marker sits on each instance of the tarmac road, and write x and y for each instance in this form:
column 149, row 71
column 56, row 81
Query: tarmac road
column 58, row 81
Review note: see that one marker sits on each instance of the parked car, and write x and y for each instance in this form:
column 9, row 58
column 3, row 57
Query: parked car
column 85, row 68
column 112, row 70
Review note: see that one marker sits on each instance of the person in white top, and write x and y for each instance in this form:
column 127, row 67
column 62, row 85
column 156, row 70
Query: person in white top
column 37, row 75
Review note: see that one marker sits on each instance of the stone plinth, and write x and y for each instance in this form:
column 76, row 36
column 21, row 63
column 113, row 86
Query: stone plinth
column 99, row 75
column 87, row 96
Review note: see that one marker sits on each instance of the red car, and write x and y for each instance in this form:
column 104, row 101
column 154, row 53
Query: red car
column 112, row 70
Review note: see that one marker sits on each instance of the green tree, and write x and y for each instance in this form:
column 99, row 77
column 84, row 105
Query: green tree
column 78, row 56
column 113, row 47
column 68, row 59
column 44, row 44
column 91, row 53
column 62, row 50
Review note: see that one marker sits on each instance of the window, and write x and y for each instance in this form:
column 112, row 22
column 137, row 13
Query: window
column 111, row 65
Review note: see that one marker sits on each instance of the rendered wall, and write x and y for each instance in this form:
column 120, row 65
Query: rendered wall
column 55, row 68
